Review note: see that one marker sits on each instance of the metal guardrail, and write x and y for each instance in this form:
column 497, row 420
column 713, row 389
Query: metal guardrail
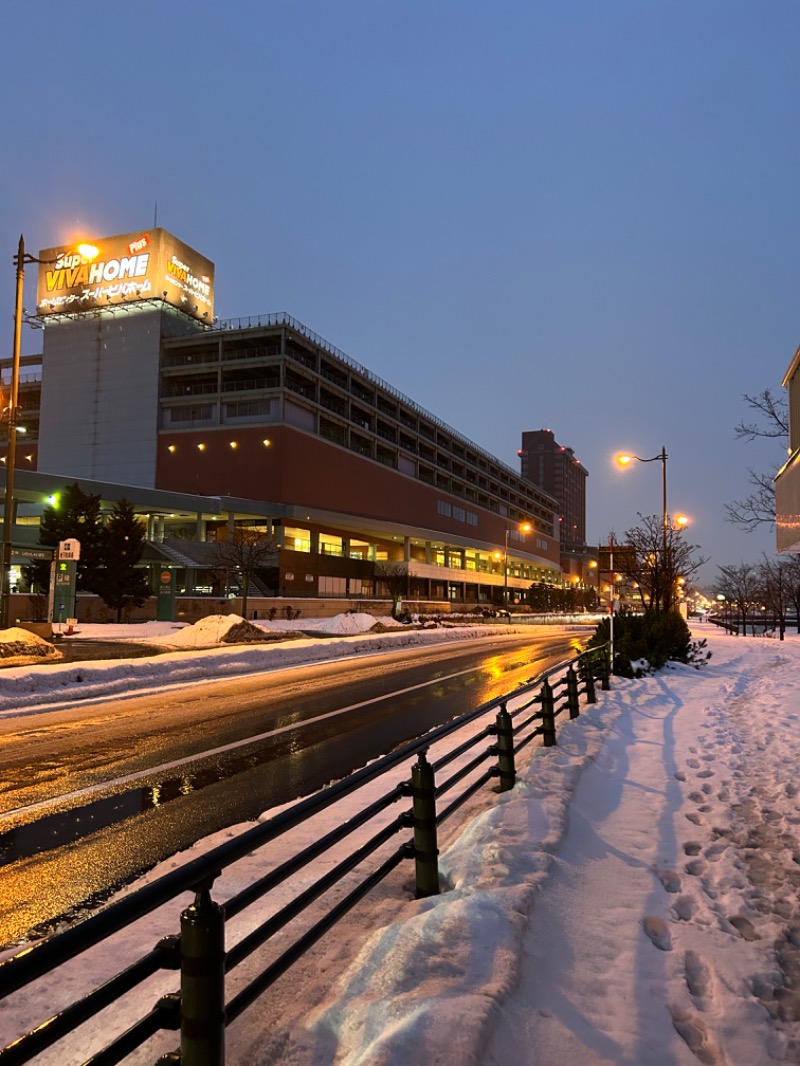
column 200, row 1010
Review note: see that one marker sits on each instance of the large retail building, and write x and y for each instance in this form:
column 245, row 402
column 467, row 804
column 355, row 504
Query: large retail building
column 206, row 425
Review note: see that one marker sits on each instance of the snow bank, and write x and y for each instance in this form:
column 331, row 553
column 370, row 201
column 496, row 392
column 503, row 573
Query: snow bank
column 20, row 646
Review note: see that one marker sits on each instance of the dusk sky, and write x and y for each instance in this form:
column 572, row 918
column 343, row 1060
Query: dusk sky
column 569, row 214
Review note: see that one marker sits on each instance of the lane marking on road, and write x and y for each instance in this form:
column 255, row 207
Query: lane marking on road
column 139, row 775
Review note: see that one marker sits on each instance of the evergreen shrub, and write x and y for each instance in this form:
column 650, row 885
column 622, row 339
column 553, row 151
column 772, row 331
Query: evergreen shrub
column 645, row 642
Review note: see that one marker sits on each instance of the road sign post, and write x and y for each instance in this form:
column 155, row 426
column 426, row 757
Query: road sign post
column 66, row 580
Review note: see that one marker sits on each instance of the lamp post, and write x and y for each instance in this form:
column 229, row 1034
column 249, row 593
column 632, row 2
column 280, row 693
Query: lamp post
column 624, row 460
column 12, row 413
column 680, row 520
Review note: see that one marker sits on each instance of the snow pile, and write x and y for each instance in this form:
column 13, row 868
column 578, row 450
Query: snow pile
column 216, row 629
column 24, row 685
column 18, row 646
column 233, row 629
column 351, row 622
column 343, row 624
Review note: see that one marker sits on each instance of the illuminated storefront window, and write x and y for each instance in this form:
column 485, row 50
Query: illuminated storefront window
column 298, row 540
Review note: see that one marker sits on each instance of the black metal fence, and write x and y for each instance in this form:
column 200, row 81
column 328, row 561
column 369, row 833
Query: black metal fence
column 200, row 1010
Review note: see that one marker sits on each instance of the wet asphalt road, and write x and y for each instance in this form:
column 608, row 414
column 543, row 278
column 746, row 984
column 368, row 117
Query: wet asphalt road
column 74, row 825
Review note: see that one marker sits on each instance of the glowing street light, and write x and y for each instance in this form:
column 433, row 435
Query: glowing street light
column 11, row 412
column 626, row 460
column 681, row 520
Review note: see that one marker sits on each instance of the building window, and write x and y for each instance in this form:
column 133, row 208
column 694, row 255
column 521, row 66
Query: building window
column 201, row 413
column 444, row 508
column 329, row 545
column 298, row 540
column 260, row 410
column 360, row 549
column 332, row 586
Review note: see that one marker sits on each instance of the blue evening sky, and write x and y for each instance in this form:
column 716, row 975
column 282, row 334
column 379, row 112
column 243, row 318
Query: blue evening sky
column 574, row 214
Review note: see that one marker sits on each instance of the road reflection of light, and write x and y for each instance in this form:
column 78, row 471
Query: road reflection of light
column 155, row 795
column 496, row 667
column 186, row 786
column 31, row 899
column 294, row 742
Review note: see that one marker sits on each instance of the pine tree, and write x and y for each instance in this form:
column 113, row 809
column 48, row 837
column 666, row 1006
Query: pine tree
column 121, row 583
column 73, row 515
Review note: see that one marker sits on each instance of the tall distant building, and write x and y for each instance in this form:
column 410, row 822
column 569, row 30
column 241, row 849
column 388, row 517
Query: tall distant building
column 553, row 467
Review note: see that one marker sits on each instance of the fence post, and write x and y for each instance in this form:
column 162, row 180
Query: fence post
column 505, row 749
column 573, row 702
column 605, row 669
column 426, row 849
column 548, row 716
column 203, row 981
column 587, row 670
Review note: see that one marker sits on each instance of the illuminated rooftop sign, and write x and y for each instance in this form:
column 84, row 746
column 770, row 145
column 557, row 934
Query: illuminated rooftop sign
column 148, row 265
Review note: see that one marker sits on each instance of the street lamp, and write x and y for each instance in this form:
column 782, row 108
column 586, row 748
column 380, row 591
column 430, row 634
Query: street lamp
column 625, row 460
column 681, row 520
column 11, row 412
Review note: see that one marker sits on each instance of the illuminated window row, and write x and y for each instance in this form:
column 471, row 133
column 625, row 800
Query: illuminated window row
column 201, row 447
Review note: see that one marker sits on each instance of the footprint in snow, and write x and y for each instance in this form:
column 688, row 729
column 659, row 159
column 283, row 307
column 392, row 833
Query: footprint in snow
column 744, row 927
column 670, row 880
column 657, row 931
column 693, row 1031
column 683, row 908
column 696, row 867
column 698, row 976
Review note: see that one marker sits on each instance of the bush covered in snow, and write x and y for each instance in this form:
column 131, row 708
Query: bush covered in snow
column 646, row 642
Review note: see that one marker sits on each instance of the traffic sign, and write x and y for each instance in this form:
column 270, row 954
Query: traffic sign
column 69, row 550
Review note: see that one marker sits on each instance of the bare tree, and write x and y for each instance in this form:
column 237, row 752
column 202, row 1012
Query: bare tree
column 776, row 589
column 740, row 586
column 771, row 423
column 654, row 559
column 394, row 577
column 242, row 555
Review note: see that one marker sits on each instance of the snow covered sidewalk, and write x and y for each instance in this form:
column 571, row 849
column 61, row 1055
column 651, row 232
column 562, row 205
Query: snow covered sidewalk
column 667, row 931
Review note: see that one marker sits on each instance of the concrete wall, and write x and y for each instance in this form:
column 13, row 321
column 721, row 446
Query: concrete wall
column 99, row 401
